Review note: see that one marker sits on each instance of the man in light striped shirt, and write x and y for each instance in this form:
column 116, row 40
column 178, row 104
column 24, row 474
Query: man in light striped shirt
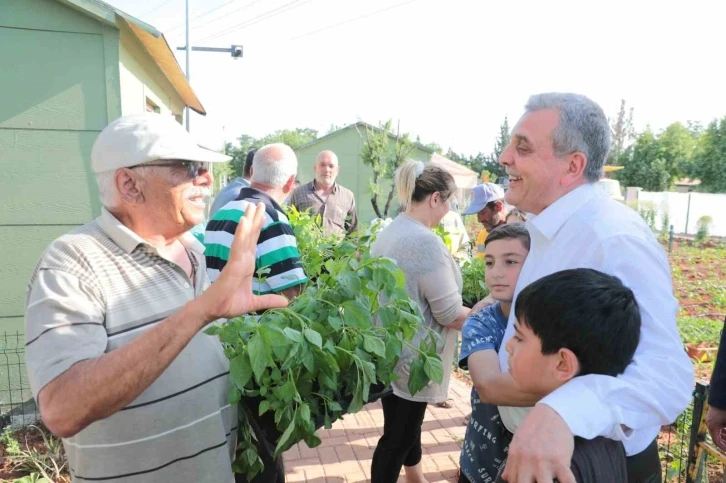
column 277, row 259
column 115, row 311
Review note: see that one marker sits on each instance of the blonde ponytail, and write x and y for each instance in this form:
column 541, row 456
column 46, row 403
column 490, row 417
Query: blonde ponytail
column 405, row 179
column 415, row 181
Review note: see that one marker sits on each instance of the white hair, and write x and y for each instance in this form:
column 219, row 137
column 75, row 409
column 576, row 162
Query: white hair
column 107, row 192
column 583, row 127
column 273, row 165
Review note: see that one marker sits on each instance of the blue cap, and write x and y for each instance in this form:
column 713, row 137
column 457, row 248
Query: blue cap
column 483, row 194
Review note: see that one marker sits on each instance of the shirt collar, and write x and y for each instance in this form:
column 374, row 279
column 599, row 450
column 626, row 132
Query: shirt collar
column 312, row 186
column 128, row 240
column 556, row 215
column 253, row 193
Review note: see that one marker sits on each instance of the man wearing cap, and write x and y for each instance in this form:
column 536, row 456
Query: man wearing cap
column 488, row 204
column 115, row 355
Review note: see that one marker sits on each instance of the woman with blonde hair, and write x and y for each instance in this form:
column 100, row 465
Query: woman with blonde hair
column 433, row 280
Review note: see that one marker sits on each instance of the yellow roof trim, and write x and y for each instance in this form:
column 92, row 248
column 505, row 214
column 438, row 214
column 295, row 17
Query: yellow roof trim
column 609, row 169
column 159, row 50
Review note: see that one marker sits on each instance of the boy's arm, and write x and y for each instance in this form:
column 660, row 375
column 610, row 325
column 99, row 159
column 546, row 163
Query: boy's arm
column 494, row 386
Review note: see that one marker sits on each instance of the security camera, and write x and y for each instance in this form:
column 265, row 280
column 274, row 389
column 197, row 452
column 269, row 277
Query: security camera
column 236, row 51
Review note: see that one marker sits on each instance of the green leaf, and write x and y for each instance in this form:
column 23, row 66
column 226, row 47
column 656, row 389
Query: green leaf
column 274, row 336
column 312, row 440
column 335, row 406
column 374, row 345
column 305, row 412
column 240, row 370
column 400, row 278
column 259, row 355
column 417, row 378
column 213, row 330
column 264, row 406
column 434, row 370
column 335, row 322
column 251, row 456
column 282, row 442
column 286, row 393
column 387, row 316
column 234, row 395
column 350, row 283
column 355, row 314
column 314, row 338
column 293, row 334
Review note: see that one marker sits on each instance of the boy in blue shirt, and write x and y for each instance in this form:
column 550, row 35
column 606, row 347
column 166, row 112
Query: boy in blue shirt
column 568, row 324
column 486, row 441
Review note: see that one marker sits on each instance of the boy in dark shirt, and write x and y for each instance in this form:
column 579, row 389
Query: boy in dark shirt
column 569, row 324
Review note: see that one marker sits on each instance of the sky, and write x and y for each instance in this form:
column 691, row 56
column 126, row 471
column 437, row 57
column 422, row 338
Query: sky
column 447, row 71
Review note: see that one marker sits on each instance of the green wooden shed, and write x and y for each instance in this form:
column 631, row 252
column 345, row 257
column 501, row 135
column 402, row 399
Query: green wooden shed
column 69, row 67
column 347, row 144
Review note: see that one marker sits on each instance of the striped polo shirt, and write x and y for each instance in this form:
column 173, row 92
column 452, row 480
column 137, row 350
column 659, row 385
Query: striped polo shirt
column 277, row 253
column 94, row 290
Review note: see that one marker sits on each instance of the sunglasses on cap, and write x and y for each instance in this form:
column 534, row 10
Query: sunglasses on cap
column 194, row 168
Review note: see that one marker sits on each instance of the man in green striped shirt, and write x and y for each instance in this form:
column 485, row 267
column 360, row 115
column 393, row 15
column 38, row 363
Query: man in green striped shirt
column 278, row 265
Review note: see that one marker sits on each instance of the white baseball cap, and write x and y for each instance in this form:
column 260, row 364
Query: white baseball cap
column 141, row 138
column 483, row 194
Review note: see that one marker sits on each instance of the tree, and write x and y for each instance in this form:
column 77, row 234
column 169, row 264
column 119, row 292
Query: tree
column 678, row 144
column 292, row 137
column 622, row 133
column 491, row 164
column 384, row 156
column 644, row 164
column 710, row 158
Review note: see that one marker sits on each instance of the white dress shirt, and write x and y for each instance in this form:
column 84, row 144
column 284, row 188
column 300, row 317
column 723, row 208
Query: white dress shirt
column 586, row 229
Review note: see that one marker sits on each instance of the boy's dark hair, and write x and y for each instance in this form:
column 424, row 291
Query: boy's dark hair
column 588, row 312
column 248, row 163
column 511, row 230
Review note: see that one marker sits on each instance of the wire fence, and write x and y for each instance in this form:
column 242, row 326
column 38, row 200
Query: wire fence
column 17, row 406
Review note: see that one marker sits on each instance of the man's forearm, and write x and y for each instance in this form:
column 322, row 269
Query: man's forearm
column 499, row 389
column 97, row 388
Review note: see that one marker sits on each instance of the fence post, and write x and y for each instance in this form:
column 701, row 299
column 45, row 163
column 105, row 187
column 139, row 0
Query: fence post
column 698, row 432
column 688, row 211
column 670, row 239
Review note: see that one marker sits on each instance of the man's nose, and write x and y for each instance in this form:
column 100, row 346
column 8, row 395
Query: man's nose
column 204, row 179
column 505, row 159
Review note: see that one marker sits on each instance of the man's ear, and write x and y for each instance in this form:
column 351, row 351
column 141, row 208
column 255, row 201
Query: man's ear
column 289, row 184
column 567, row 365
column 129, row 186
column 576, row 164
column 498, row 206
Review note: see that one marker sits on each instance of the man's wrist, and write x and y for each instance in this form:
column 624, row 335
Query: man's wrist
column 196, row 311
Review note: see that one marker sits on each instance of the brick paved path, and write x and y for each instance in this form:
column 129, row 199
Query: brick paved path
column 347, row 448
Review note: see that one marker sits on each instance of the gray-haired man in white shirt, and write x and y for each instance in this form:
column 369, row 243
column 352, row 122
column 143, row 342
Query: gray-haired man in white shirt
column 555, row 156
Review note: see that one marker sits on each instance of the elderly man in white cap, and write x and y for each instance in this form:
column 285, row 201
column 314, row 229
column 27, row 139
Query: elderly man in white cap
column 114, row 312
column 491, row 211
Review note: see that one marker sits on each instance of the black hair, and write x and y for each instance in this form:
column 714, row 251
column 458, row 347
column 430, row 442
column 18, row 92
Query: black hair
column 248, row 163
column 586, row 311
column 508, row 231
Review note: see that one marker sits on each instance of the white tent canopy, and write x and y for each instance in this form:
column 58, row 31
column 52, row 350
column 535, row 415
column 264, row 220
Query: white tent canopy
column 464, row 177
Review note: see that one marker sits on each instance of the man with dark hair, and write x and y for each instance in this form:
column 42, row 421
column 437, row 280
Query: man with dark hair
column 570, row 324
column 231, row 191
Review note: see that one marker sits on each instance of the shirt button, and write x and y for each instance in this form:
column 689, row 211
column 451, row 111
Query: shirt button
column 186, row 285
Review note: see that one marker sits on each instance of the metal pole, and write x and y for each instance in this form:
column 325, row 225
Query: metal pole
column 670, row 240
column 189, row 55
column 688, row 212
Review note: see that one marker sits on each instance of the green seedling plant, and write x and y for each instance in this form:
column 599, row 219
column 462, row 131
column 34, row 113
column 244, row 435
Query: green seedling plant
column 329, row 351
